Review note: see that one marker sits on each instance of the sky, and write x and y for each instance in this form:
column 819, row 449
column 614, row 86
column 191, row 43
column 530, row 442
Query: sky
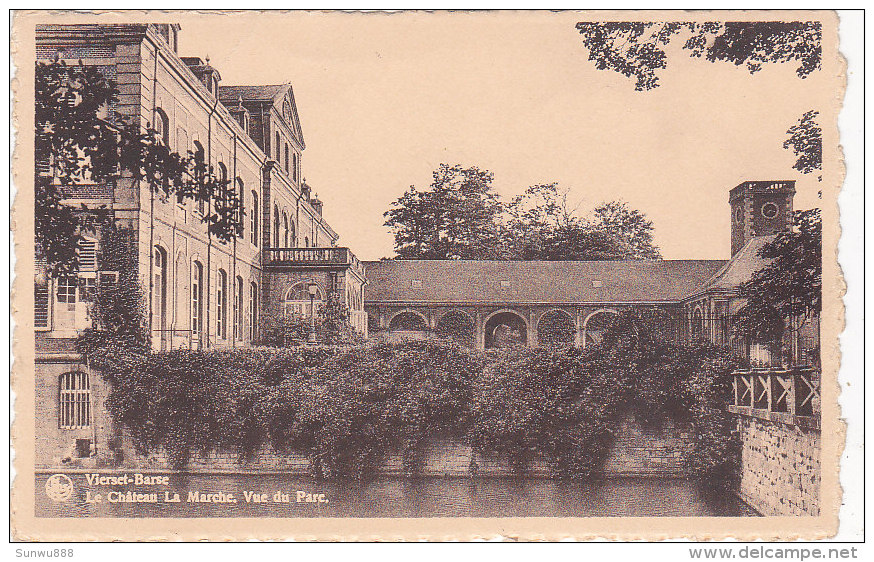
column 384, row 99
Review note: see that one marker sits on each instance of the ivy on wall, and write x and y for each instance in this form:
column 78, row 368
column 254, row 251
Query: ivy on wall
column 348, row 408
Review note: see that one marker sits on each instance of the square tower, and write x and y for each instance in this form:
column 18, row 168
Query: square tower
column 759, row 208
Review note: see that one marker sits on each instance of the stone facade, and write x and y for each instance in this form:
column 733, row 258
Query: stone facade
column 780, row 467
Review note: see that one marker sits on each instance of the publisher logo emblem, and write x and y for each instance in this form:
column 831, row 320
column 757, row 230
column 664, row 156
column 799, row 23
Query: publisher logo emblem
column 59, row 487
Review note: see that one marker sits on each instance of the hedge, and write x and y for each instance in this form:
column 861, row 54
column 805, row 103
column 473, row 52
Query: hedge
column 348, row 408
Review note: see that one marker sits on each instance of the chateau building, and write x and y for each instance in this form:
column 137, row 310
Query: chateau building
column 203, row 293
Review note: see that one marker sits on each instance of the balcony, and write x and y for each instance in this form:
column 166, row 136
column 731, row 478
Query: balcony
column 312, row 257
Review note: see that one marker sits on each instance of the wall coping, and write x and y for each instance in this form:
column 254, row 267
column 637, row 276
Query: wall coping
column 808, row 422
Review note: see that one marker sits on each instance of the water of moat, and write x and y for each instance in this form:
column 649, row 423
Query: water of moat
column 388, row 497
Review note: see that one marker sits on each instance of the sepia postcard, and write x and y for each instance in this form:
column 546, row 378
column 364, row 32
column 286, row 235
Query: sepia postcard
column 447, row 275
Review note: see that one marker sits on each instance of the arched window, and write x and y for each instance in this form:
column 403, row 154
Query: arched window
column 159, row 291
column 253, row 311
column 253, row 219
column 285, row 231
column 454, row 325
column 196, row 298
column 275, row 226
column 298, row 302
column 295, row 167
column 286, row 159
column 278, row 147
column 74, row 401
column 200, row 172
column 556, row 328
column 291, row 233
column 240, row 189
column 181, row 282
column 306, row 241
column 223, row 174
column 238, row 309
column 162, row 126
column 221, row 302
column 697, row 323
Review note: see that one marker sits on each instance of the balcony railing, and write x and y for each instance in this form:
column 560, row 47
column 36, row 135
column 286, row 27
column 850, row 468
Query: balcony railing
column 311, row 256
column 792, row 392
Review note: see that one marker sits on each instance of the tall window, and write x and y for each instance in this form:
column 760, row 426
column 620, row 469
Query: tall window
column 291, row 233
column 697, row 324
column 295, row 167
column 200, row 172
column 221, row 301
column 286, row 159
column 238, row 309
column 181, row 291
column 306, row 241
column 74, row 401
column 197, row 298
column 278, row 145
column 253, row 219
column 159, row 291
column 162, row 126
column 275, row 226
column 253, row 310
column 240, row 188
column 285, row 231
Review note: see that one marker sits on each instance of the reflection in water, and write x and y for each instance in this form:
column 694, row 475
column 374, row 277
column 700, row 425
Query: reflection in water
column 296, row 496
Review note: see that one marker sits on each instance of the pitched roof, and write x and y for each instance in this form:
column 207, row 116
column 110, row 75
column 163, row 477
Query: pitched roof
column 742, row 266
column 464, row 281
column 249, row 93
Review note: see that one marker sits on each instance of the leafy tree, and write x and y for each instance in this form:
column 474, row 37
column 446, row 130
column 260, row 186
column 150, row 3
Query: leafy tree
column 805, row 140
column 638, row 49
column 79, row 139
column 790, row 285
column 455, row 219
column 543, row 226
column 630, row 226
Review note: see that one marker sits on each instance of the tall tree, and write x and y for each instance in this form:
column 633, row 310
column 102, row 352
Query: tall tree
column 628, row 225
column 542, row 225
column 790, row 285
column 456, row 218
column 638, row 49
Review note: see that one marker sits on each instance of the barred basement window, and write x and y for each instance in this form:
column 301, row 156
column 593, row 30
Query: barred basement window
column 74, row 404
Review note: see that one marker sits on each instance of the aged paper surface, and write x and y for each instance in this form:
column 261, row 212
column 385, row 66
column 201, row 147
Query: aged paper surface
column 678, row 117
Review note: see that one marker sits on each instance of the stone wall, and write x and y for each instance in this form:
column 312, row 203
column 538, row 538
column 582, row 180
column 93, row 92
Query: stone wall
column 780, row 466
column 659, row 450
column 637, row 451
